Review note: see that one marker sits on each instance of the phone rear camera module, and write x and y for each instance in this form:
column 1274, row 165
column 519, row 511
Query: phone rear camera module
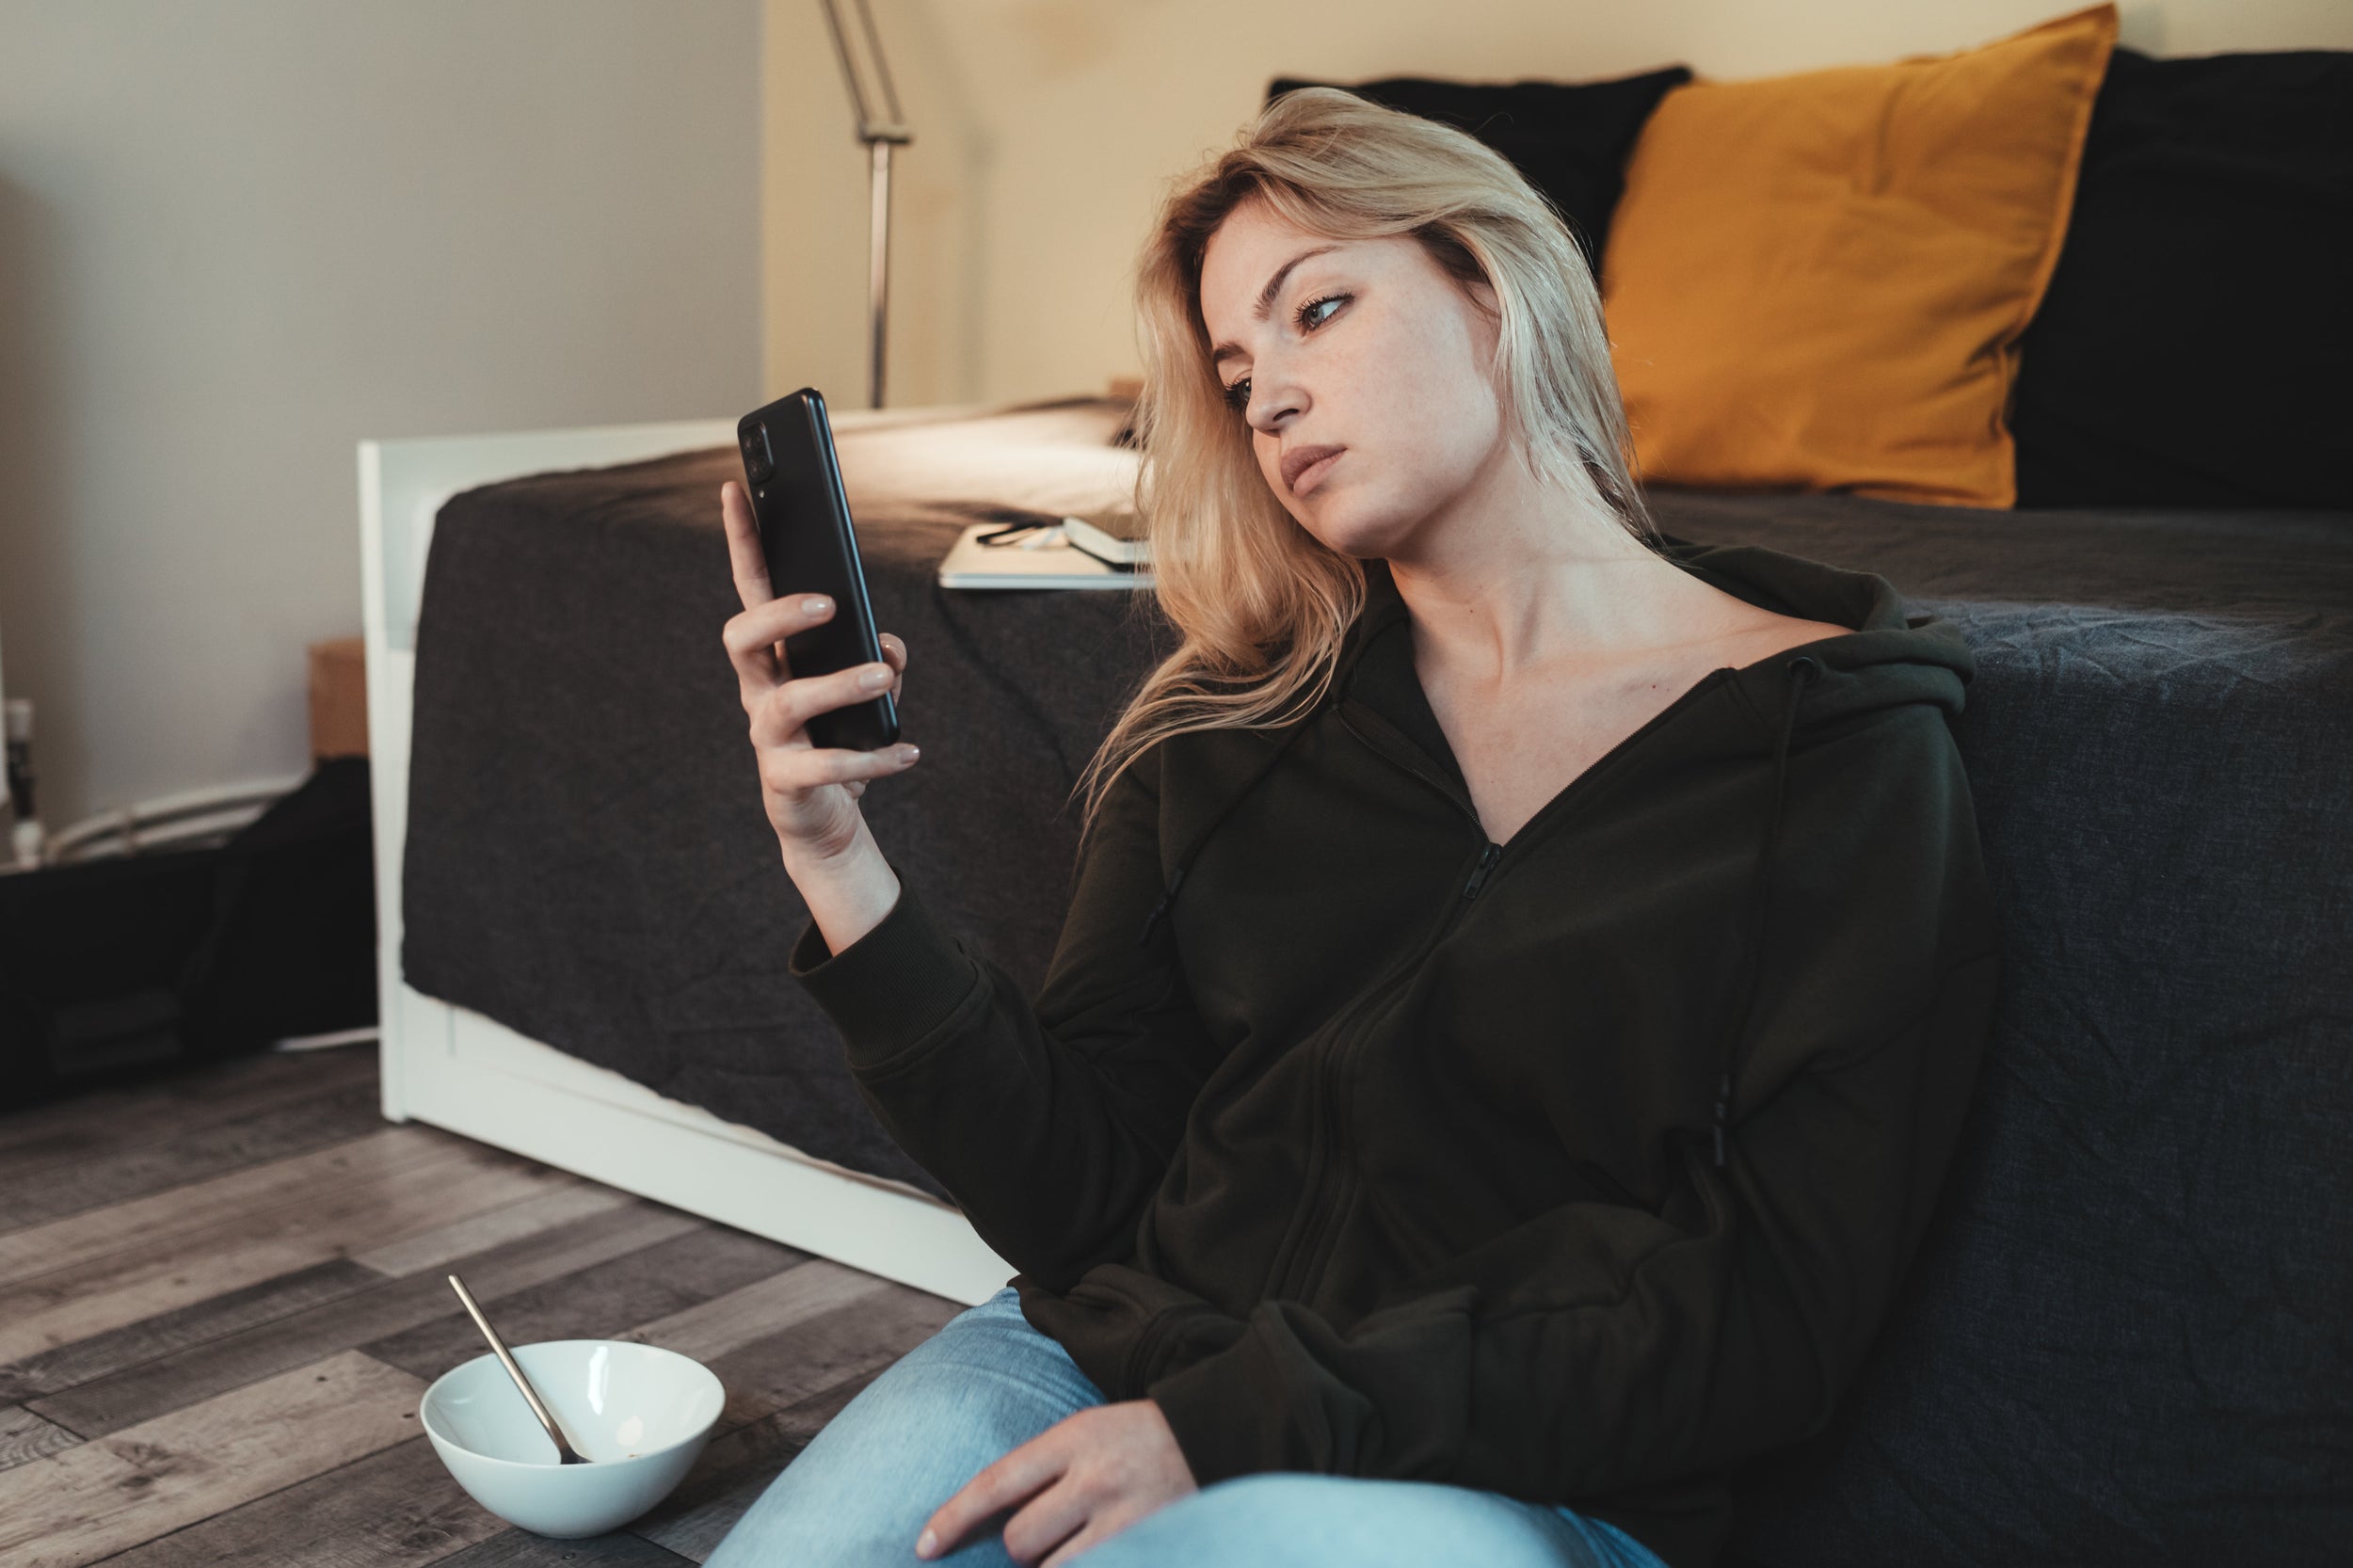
column 760, row 464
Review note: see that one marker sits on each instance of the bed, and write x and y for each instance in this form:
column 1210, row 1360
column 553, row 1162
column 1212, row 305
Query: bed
column 2139, row 1265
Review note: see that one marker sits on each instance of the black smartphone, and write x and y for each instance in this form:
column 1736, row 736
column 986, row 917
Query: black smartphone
column 812, row 545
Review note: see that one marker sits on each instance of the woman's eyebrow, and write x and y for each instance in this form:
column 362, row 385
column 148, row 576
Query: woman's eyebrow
column 1265, row 302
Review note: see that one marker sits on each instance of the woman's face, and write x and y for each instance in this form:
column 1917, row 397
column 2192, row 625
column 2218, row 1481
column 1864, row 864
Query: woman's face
column 1366, row 375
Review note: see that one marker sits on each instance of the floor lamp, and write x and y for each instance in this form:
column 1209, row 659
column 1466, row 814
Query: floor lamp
column 880, row 137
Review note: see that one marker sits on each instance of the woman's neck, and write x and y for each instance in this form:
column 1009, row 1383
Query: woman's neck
column 1524, row 579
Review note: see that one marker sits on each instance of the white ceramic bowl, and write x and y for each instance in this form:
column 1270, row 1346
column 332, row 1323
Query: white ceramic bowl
column 640, row 1412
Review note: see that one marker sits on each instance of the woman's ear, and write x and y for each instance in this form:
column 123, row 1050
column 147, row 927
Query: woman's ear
column 1486, row 324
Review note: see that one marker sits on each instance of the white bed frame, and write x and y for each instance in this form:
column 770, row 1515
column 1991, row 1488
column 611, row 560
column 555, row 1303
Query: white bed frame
column 457, row 1069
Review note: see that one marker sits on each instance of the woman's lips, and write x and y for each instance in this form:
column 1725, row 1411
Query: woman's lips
column 1305, row 469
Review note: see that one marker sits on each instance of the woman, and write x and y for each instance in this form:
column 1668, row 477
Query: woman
column 1525, row 975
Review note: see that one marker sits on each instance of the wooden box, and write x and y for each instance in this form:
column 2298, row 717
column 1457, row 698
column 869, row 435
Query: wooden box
column 339, row 698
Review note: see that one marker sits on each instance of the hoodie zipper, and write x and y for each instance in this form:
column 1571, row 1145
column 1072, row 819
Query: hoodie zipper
column 1333, row 1169
column 1305, row 1262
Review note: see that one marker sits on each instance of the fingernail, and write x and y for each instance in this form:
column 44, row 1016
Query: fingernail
column 816, row 604
column 908, row 754
column 926, row 1543
column 875, row 677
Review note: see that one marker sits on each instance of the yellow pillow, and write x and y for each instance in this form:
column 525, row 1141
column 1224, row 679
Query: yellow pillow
column 1818, row 281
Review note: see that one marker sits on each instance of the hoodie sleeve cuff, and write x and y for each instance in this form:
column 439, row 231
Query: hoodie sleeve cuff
column 1220, row 1428
column 891, row 987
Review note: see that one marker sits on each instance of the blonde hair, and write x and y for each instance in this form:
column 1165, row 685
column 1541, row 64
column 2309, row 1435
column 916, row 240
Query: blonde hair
column 1262, row 605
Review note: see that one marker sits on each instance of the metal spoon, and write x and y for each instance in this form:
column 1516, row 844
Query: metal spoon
column 565, row 1453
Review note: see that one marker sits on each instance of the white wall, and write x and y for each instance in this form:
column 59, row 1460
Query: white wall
column 1048, row 129
column 238, row 235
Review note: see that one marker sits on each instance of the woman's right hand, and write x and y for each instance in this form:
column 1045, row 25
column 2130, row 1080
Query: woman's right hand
column 810, row 792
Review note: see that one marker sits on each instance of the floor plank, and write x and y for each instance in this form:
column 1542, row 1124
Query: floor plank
column 759, row 1310
column 455, row 1178
column 377, row 1310
column 106, row 1122
column 158, row 1165
column 399, row 1507
column 234, row 1196
column 199, row 1322
column 521, row 1550
column 99, row 1498
column 25, row 1437
column 603, row 1303
column 477, row 1233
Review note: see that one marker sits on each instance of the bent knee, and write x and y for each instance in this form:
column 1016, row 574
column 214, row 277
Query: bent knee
column 1246, row 1520
column 1292, row 1519
column 1280, row 1493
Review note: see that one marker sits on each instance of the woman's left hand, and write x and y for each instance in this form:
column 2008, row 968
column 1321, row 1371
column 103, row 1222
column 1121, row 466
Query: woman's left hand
column 1077, row 1483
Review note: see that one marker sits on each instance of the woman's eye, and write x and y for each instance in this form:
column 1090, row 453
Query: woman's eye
column 1238, row 395
column 1310, row 320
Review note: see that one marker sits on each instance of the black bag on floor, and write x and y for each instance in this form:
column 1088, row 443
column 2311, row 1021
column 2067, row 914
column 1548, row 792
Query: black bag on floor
column 110, row 969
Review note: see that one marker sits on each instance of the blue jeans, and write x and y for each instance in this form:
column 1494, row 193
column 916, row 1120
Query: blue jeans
column 989, row 1382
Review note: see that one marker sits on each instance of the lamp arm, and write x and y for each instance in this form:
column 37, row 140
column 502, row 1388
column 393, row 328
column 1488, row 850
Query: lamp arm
column 879, row 138
column 870, row 130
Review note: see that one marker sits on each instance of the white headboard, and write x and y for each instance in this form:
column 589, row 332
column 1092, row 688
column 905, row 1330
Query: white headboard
column 404, row 482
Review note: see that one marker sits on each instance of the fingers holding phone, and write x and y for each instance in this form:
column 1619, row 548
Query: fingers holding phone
column 810, row 792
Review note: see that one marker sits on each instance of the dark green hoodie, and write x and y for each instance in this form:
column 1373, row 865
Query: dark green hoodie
column 1580, row 1168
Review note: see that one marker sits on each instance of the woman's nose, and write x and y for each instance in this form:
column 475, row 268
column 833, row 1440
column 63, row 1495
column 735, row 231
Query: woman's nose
column 1274, row 404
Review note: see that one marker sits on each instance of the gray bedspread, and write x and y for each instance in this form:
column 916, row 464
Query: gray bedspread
column 2128, row 1338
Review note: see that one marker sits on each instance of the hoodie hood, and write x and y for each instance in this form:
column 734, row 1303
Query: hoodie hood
column 1890, row 658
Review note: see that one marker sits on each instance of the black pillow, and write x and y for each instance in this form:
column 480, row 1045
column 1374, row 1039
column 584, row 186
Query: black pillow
column 2196, row 345
column 1569, row 139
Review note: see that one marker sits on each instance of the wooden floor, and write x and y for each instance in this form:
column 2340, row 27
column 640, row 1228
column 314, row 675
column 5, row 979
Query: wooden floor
column 222, row 1295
